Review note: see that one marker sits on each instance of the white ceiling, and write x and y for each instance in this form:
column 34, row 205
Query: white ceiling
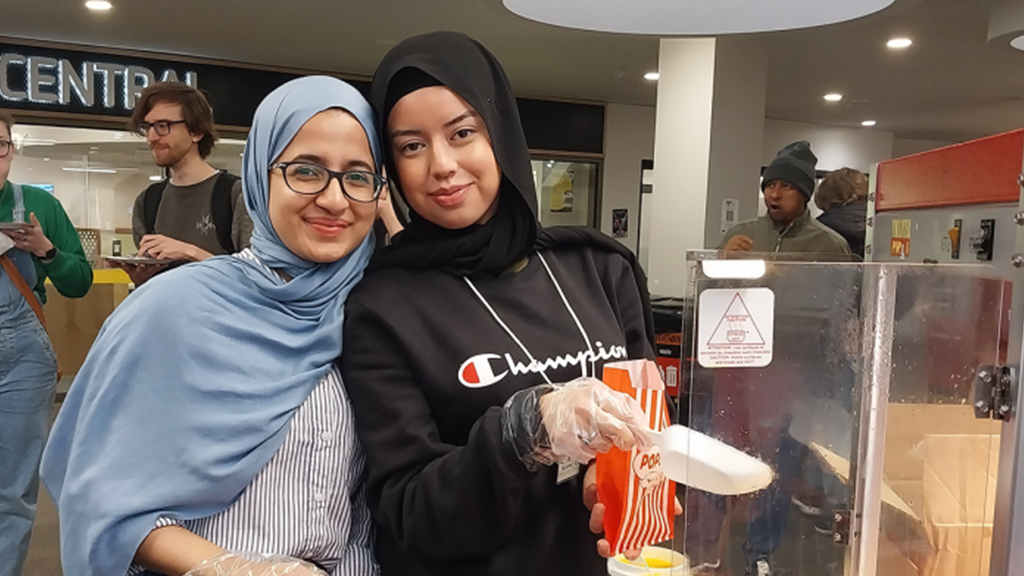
column 950, row 85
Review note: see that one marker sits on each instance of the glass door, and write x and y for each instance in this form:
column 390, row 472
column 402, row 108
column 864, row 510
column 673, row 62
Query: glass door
column 566, row 191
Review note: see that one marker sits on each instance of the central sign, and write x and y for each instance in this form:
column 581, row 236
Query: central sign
column 61, row 82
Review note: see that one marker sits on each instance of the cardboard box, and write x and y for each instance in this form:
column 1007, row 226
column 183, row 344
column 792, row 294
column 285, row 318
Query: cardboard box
column 959, row 499
column 941, row 465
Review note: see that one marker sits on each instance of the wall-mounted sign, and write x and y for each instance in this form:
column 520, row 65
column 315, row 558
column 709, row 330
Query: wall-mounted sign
column 25, row 77
column 730, row 214
column 620, row 222
column 66, row 78
column 71, row 80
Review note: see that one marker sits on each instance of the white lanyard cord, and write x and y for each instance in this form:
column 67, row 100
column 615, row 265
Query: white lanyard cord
column 508, row 331
column 533, row 361
column 586, row 338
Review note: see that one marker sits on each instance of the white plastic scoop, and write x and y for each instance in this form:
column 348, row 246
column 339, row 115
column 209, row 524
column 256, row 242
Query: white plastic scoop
column 702, row 462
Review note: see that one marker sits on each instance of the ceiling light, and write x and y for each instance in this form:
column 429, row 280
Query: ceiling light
column 652, row 76
column 868, row 123
column 47, row 159
column 899, row 43
column 118, row 135
column 156, row 178
column 690, row 17
column 833, row 97
column 1006, row 22
column 734, row 269
column 98, row 5
column 89, row 170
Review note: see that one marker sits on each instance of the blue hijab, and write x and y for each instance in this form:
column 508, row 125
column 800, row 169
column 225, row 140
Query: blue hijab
column 191, row 384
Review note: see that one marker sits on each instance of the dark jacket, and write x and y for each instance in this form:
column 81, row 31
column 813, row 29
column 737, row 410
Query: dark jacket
column 428, row 369
column 850, row 222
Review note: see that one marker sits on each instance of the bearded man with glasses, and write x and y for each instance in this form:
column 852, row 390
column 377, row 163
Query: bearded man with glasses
column 198, row 212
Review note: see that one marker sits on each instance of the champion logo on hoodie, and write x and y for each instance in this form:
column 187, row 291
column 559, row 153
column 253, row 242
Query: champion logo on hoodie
column 488, row 369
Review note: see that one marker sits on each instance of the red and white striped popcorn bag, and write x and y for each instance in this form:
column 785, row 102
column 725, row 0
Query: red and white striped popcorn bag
column 640, row 500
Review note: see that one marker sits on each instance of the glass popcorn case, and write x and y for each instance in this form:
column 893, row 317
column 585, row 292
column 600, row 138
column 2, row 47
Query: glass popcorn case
column 882, row 396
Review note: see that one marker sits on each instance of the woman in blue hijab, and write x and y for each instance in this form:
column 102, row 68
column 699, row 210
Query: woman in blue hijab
column 208, row 431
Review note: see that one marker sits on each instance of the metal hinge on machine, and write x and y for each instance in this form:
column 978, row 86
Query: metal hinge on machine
column 841, row 521
column 992, row 392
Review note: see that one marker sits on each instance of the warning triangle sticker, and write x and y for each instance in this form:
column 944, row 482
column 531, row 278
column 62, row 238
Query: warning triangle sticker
column 737, row 326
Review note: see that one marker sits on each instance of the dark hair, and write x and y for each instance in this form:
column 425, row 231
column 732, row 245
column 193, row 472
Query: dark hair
column 841, row 187
column 8, row 121
column 195, row 110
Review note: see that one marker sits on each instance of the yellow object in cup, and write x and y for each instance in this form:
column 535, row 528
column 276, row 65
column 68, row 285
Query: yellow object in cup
column 648, row 562
column 653, row 560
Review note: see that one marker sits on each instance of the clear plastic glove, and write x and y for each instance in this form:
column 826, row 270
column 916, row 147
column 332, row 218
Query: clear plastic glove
column 253, row 564
column 571, row 422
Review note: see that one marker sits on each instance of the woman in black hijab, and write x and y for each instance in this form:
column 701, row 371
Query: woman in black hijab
column 467, row 340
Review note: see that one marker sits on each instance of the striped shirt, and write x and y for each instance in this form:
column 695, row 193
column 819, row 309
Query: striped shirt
column 309, row 501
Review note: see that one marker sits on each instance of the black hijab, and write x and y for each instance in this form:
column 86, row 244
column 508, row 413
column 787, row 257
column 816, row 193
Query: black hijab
column 467, row 68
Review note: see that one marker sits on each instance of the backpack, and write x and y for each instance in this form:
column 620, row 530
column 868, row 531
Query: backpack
column 221, row 207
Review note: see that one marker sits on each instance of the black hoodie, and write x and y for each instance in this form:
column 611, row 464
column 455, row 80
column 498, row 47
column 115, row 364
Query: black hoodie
column 428, row 366
column 850, row 221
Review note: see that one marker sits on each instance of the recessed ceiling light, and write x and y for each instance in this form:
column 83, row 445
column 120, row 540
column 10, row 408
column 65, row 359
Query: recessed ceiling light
column 1018, row 42
column 155, row 178
column 692, row 18
column 98, row 5
column 868, row 123
column 652, row 76
column 899, row 43
column 833, row 97
column 47, row 159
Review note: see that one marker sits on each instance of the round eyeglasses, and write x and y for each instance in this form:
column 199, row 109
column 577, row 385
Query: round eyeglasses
column 310, row 179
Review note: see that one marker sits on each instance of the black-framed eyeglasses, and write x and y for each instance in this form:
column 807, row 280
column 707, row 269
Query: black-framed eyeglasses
column 310, row 179
column 5, row 148
column 162, row 127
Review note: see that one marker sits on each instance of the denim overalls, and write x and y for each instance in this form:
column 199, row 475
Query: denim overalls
column 28, row 381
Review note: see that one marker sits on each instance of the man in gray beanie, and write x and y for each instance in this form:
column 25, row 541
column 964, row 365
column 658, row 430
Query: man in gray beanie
column 787, row 228
column 788, row 184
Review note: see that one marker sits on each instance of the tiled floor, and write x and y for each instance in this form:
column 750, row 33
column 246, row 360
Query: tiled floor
column 44, row 550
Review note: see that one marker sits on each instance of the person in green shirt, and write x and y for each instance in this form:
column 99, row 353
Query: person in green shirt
column 787, row 228
column 45, row 244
